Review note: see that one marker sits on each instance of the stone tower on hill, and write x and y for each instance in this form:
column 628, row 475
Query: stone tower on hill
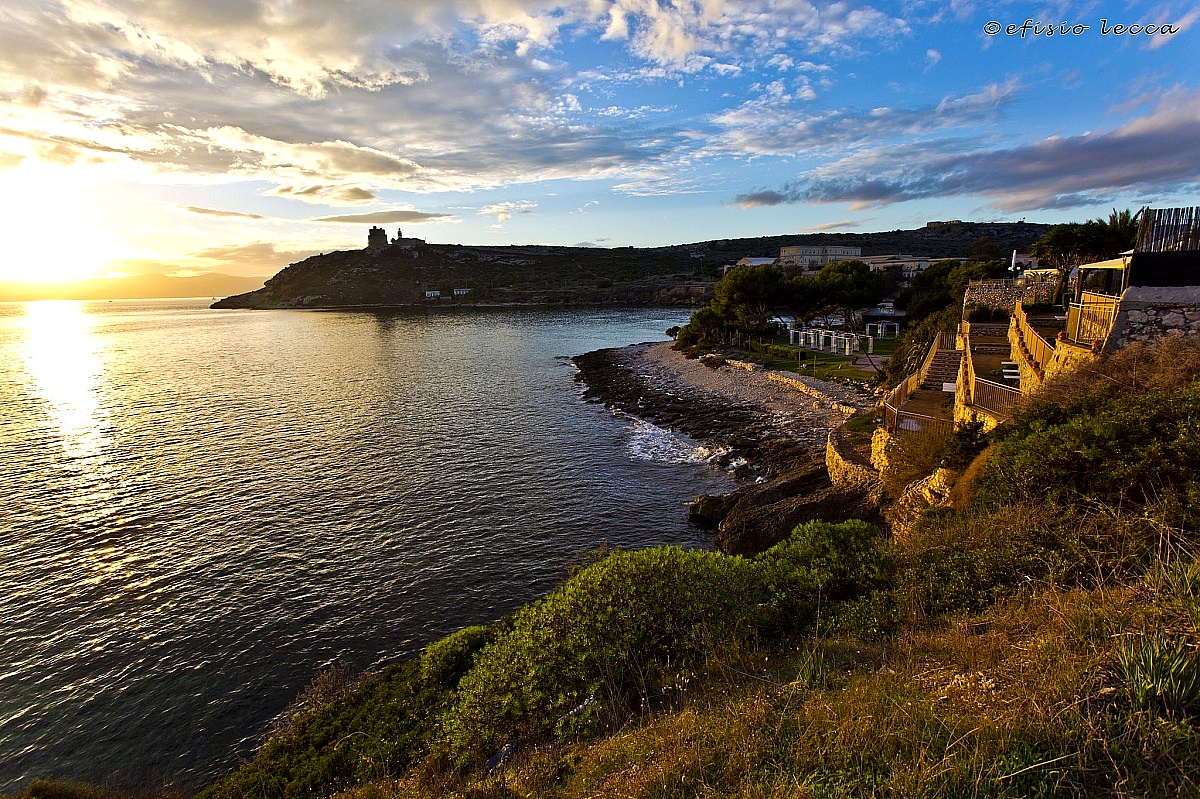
column 377, row 238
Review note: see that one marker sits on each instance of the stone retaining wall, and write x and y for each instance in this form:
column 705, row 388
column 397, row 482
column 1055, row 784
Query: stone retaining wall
column 815, row 393
column 1148, row 313
column 844, row 472
column 1005, row 296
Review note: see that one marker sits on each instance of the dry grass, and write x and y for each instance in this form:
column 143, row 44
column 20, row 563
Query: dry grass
column 1023, row 700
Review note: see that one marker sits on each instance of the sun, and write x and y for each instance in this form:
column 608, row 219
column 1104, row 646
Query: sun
column 52, row 232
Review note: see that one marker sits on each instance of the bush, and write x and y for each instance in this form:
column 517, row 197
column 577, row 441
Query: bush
column 1140, row 451
column 604, row 643
column 445, row 662
column 379, row 729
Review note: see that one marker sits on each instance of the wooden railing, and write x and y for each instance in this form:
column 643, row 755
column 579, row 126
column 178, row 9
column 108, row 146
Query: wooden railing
column 1091, row 319
column 1037, row 349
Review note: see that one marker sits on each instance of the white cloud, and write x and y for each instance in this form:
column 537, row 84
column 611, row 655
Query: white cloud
column 504, row 211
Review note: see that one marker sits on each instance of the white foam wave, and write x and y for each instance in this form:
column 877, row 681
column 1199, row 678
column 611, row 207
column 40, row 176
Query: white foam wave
column 648, row 442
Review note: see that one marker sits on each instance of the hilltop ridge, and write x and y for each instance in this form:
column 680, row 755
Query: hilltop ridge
column 682, row 274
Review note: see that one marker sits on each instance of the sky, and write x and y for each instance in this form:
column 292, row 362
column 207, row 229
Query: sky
column 237, row 136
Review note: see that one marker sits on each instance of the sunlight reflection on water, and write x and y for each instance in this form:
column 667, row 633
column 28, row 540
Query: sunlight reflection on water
column 62, row 357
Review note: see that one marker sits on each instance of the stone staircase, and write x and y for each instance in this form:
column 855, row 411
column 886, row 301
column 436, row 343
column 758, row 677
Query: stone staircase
column 943, row 369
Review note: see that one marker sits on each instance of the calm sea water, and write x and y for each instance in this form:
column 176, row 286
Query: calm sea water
column 199, row 509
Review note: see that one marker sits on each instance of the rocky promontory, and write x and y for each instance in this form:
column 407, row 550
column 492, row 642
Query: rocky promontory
column 766, row 432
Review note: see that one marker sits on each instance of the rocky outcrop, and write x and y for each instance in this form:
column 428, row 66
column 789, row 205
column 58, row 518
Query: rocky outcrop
column 929, row 492
column 764, row 515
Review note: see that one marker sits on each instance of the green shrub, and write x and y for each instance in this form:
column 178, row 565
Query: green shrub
column 604, row 643
column 965, row 562
column 1118, row 451
column 378, row 730
column 444, row 662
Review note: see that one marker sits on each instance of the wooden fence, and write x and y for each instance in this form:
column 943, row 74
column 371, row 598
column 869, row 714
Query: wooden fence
column 1169, row 230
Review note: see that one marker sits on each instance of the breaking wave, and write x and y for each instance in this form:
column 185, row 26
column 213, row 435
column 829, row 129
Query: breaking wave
column 649, row 442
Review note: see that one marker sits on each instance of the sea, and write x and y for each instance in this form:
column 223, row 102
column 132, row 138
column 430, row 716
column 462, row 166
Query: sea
column 201, row 509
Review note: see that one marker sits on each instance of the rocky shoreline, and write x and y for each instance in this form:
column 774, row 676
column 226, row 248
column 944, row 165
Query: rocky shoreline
column 770, row 433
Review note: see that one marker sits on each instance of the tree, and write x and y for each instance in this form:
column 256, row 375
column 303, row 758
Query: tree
column 846, row 286
column 1066, row 246
column 985, row 248
column 745, row 298
column 1121, row 227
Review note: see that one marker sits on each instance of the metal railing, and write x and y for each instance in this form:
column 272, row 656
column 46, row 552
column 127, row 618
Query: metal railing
column 1091, row 320
column 995, row 398
column 1036, row 349
column 895, row 418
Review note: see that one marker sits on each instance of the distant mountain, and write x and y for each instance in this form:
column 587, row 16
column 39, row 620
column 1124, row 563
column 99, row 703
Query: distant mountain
column 136, row 287
column 404, row 273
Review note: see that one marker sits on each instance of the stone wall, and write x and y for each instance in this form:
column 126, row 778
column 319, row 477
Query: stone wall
column 1147, row 313
column 1005, row 296
column 993, row 295
column 844, row 470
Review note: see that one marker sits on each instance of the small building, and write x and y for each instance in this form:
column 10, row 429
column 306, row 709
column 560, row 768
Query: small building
column 461, row 292
column 377, row 239
column 433, row 294
column 748, row 261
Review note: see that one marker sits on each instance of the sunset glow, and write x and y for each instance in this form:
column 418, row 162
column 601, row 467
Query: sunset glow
column 52, row 231
column 240, row 140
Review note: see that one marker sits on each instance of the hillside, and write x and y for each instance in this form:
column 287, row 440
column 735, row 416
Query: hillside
column 675, row 275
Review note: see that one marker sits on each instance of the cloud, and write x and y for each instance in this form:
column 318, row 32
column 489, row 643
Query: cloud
column 932, row 58
column 396, row 216
column 224, row 214
column 775, row 123
column 252, row 259
column 325, row 195
column 845, row 224
column 10, row 160
column 504, row 211
column 1156, row 153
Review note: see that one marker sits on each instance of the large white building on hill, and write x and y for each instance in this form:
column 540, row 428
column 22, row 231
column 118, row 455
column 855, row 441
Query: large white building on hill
column 810, row 257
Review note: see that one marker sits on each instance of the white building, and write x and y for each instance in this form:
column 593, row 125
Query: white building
column 810, row 257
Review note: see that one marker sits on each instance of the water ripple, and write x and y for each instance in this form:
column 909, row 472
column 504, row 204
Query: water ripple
column 215, row 505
